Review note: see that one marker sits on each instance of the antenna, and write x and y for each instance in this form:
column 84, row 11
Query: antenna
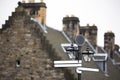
column 80, row 40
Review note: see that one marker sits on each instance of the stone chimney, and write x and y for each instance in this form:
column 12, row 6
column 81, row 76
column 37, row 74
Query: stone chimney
column 71, row 26
column 109, row 42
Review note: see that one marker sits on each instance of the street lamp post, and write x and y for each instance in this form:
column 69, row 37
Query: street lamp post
column 79, row 41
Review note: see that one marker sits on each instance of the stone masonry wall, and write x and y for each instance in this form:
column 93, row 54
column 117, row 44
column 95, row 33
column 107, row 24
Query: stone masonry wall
column 22, row 42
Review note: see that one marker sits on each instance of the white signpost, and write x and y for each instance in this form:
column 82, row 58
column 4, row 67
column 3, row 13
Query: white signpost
column 73, row 63
column 79, row 69
column 70, row 63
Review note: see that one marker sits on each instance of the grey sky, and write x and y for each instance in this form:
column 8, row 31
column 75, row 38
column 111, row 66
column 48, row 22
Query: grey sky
column 103, row 13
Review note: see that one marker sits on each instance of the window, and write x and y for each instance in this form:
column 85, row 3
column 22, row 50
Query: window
column 17, row 63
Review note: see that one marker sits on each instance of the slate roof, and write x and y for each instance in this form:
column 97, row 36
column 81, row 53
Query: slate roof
column 56, row 38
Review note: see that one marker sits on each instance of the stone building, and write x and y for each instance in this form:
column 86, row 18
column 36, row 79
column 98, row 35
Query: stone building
column 27, row 52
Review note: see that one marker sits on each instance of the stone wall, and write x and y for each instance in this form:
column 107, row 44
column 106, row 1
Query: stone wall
column 25, row 53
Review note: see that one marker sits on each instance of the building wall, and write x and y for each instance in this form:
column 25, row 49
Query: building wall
column 24, row 51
